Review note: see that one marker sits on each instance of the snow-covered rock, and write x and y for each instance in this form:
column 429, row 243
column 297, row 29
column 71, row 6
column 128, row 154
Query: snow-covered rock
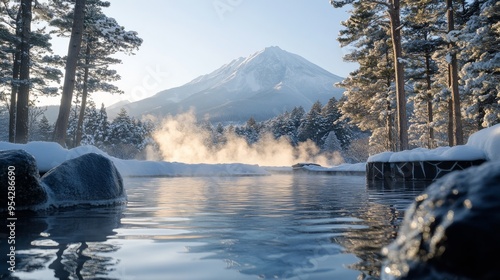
column 19, row 179
column 90, row 178
column 47, row 154
column 451, row 230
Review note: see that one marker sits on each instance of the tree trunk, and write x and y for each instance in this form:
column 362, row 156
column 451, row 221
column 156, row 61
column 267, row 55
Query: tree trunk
column 15, row 80
column 24, row 75
column 455, row 95
column 394, row 13
column 79, row 126
column 389, row 119
column 430, row 117
column 451, row 138
column 70, row 74
column 388, row 124
column 13, row 96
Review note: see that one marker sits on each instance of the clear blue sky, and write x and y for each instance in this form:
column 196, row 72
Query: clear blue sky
column 187, row 38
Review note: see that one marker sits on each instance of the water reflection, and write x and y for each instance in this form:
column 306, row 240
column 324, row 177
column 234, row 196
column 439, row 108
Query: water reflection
column 384, row 212
column 273, row 227
column 280, row 226
column 69, row 242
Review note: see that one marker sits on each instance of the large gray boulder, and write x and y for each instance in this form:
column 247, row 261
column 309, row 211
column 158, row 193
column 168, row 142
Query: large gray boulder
column 452, row 230
column 23, row 179
column 90, row 178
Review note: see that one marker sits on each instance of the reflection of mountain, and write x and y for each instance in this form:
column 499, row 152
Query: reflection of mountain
column 75, row 235
column 262, row 85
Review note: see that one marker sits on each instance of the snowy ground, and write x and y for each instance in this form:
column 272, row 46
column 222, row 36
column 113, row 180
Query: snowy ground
column 49, row 155
column 484, row 144
column 357, row 167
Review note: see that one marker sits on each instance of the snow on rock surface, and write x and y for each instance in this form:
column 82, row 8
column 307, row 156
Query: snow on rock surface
column 89, row 178
column 49, row 155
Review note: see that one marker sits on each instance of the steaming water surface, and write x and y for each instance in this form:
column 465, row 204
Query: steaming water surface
column 272, row 227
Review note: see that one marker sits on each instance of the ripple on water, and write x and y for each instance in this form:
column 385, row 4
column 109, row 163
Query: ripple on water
column 272, row 227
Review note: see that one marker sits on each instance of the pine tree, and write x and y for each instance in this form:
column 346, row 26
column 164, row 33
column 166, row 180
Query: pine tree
column 480, row 41
column 23, row 49
column 334, row 123
column 103, row 38
column 72, row 124
column 45, row 129
column 70, row 74
column 251, row 131
column 455, row 114
column 369, row 11
column 296, row 116
column 126, row 136
column 220, row 135
column 101, row 134
column 369, row 91
column 331, row 143
column 95, row 126
column 16, row 34
column 314, row 126
column 422, row 23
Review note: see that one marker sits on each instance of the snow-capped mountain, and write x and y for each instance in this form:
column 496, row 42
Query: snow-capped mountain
column 262, row 85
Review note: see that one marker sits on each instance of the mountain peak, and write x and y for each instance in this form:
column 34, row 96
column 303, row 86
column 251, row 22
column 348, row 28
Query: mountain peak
column 263, row 84
column 273, row 49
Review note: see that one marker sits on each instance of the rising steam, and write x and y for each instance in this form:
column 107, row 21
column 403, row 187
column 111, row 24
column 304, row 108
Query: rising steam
column 181, row 139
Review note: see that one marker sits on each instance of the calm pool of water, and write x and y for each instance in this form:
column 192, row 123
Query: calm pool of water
column 271, row 227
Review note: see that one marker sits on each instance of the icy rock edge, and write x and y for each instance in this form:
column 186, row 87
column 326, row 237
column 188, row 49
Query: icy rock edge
column 451, row 230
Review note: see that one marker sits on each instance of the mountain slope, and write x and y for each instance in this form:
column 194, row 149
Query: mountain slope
column 262, row 85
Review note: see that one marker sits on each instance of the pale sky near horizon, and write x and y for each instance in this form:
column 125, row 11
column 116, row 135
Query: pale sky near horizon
column 186, row 39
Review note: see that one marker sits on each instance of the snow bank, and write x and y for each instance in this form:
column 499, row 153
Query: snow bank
column 488, row 140
column 139, row 168
column 484, row 144
column 49, row 155
column 357, row 167
column 346, row 167
column 456, row 153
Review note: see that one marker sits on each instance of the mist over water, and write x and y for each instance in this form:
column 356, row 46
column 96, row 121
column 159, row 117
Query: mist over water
column 181, row 138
